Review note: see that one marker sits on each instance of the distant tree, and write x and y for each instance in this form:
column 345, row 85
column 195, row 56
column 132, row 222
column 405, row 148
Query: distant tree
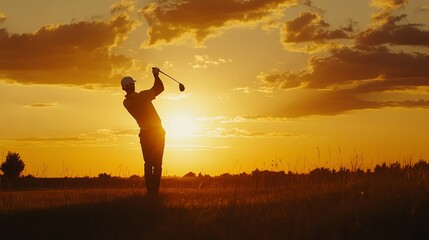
column 104, row 176
column 190, row 174
column 136, row 177
column 12, row 166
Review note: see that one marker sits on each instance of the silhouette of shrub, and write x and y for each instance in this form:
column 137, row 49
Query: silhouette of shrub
column 190, row 174
column 421, row 166
column 13, row 165
column 320, row 172
column 392, row 169
column 104, row 176
column 135, row 177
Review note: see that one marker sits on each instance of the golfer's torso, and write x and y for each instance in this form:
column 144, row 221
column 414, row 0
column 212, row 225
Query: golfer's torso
column 140, row 106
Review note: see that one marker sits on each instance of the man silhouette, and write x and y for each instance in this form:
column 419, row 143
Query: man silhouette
column 152, row 134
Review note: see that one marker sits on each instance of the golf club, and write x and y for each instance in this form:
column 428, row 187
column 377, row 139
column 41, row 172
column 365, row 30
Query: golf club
column 181, row 86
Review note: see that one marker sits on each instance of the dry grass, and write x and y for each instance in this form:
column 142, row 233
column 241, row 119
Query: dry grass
column 390, row 203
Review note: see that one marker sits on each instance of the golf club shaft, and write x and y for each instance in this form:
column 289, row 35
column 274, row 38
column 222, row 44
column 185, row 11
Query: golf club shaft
column 169, row 76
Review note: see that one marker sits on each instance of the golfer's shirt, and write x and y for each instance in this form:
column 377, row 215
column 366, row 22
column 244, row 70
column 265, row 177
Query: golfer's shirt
column 140, row 106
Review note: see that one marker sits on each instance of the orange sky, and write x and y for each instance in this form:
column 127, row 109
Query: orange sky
column 273, row 84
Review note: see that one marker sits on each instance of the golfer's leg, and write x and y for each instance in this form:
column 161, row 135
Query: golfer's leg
column 148, row 163
column 148, row 177
column 158, row 154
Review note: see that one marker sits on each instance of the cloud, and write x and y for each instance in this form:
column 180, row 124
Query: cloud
column 391, row 31
column 424, row 9
column 96, row 138
column 175, row 96
column 54, row 139
column 3, row 17
column 243, row 133
column 241, row 119
column 204, row 61
column 389, row 4
column 116, row 132
column 343, row 79
column 70, row 141
column 122, row 6
column 170, row 21
column 245, row 90
column 310, row 33
column 336, row 83
column 310, row 4
column 386, row 9
column 42, row 105
column 282, row 80
column 191, row 147
column 333, row 102
column 77, row 54
column 351, row 65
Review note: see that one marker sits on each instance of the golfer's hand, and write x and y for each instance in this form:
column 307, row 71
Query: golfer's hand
column 155, row 71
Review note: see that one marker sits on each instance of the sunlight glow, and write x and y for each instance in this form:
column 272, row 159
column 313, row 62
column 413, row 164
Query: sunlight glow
column 180, row 126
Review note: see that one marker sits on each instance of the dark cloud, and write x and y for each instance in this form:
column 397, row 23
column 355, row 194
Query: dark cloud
column 333, row 102
column 339, row 82
column 393, row 31
column 69, row 54
column 348, row 65
column 309, row 28
column 170, row 20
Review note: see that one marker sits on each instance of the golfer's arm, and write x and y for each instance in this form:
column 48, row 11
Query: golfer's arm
column 158, row 86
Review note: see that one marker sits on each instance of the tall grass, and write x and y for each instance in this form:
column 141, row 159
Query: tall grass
column 389, row 201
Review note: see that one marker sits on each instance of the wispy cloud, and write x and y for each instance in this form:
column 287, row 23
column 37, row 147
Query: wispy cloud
column 96, row 138
column 424, row 9
column 193, row 147
column 245, row 90
column 42, row 105
column 118, row 132
column 282, row 80
column 3, row 17
column 122, row 6
column 175, row 97
column 70, row 141
column 242, row 119
column 55, row 139
column 204, row 61
column 233, row 132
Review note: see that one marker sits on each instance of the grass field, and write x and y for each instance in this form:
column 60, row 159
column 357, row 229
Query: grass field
column 390, row 202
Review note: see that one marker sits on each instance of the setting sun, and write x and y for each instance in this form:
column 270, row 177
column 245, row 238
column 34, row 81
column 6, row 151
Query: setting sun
column 180, row 126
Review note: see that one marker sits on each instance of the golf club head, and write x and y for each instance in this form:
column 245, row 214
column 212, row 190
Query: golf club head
column 181, row 87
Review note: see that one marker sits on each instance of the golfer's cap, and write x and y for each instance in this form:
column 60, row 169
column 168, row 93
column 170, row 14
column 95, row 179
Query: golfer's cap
column 127, row 81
